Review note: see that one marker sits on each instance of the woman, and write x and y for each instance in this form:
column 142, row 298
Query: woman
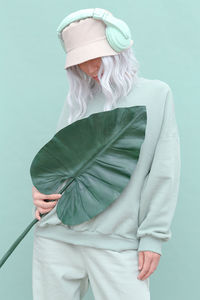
column 119, row 249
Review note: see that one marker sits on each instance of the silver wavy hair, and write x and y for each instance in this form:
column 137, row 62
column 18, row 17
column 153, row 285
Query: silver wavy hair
column 120, row 75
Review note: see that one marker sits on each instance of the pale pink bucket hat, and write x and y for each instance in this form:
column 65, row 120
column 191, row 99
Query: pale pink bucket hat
column 84, row 40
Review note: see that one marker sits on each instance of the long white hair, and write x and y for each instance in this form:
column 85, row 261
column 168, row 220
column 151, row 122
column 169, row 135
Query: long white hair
column 117, row 76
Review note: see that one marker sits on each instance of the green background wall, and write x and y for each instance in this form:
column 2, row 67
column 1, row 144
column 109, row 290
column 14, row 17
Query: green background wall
column 33, row 89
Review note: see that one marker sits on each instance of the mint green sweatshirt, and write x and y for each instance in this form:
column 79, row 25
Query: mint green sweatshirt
column 140, row 218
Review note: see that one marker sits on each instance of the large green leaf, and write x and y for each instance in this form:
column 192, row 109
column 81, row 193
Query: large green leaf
column 90, row 161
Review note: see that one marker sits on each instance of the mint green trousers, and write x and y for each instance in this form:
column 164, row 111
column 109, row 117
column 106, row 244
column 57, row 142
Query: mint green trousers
column 64, row 271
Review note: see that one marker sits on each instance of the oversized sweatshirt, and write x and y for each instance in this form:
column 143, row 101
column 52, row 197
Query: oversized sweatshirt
column 141, row 216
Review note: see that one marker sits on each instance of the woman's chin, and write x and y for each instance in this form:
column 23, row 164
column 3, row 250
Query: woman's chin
column 96, row 79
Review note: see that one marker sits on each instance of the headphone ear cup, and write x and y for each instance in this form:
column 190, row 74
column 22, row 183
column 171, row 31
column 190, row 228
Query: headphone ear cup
column 116, row 39
column 118, row 33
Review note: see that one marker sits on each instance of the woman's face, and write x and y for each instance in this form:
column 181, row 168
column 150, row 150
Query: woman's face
column 91, row 67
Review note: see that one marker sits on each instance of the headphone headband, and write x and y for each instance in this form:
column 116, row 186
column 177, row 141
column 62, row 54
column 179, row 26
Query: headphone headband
column 117, row 31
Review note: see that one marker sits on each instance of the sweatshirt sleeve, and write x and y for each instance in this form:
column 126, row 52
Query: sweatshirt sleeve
column 160, row 191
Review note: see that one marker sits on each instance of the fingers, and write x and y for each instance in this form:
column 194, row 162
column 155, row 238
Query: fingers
column 145, row 267
column 140, row 260
column 38, row 195
column 149, row 261
column 39, row 200
column 152, row 268
column 43, row 204
column 50, row 197
column 45, row 210
column 37, row 215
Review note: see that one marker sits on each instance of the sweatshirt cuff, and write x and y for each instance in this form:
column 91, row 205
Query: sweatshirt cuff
column 149, row 243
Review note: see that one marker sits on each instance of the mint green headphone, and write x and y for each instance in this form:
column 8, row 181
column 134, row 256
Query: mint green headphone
column 118, row 33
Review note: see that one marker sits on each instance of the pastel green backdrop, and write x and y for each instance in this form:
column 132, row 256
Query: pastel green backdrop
column 33, row 89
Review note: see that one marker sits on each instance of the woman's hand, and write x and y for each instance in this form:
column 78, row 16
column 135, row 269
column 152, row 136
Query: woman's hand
column 41, row 205
column 148, row 262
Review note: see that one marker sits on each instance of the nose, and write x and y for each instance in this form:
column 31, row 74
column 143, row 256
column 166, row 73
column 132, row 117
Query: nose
column 92, row 70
